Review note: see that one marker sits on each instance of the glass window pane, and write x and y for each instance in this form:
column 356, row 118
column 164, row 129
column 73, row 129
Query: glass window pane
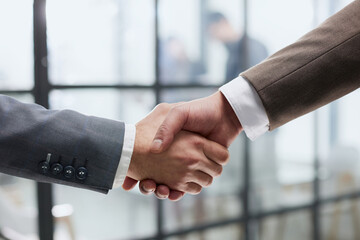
column 120, row 214
column 233, row 231
column 295, row 226
column 206, row 46
column 282, row 166
column 179, row 40
column 129, row 106
column 101, row 42
column 341, row 147
column 266, row 21
column 18, row 202
column 25, row 98
column 338, row 5
column 340, row 220
column 348, row 122
column 18, row 207
column 174, row 95
column 16, row 45
column 282, row 161
column 326, row 8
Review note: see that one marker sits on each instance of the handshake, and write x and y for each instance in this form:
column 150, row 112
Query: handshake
column 180, row 148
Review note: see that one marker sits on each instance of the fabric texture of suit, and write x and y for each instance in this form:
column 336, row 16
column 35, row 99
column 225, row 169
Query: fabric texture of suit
column 321, row 67
column 29, row 133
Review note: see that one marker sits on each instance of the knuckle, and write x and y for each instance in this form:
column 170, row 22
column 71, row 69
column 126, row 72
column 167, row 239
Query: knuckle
column 224, row 157
column 192, row 162
column 182, row 178
column 209, row 181
column 193, row 188
column 175, row 109
column 190, row 176
column 218, row 171
column 163, row 129
column 198, row 142
column 163, row 106
column 197, row 189
column 178, row 185
column 178, row 111
column 173, row 183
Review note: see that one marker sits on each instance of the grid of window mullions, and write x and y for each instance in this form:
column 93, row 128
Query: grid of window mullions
column 41, row 92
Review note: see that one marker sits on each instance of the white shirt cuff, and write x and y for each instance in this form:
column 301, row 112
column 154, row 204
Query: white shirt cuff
column 247, row 106
column 128, row 147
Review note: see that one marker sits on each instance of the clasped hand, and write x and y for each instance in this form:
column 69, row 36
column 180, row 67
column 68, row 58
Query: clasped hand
column 182, row 147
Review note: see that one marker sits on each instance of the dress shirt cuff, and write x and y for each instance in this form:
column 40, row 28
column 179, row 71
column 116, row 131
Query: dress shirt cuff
column 128, row 147
column 247, row 106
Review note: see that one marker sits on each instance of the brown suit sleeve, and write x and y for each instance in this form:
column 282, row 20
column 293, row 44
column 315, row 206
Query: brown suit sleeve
column 319, row 68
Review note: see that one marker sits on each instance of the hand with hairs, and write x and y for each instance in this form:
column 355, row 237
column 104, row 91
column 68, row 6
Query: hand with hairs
column 211, row 117
column 188, row 162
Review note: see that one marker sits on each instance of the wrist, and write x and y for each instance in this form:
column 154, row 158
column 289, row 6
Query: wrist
column 137, row 156
column 228, row 111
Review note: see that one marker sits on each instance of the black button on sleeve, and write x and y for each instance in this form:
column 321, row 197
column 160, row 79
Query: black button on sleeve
column 69, row 172
column 81, row 173
column 56, row 168
column 44, row 167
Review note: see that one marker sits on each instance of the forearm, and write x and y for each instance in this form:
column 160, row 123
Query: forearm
column 319, row 68
column 30, row 132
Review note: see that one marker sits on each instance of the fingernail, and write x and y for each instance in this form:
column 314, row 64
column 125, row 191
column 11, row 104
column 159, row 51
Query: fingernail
column 156, row 144
column 146, row 190
column 161, row 197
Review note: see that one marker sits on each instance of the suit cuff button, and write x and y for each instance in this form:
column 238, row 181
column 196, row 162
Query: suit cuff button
column 81, row 173
column 56, row 168
column 44, row 167
column 69, row 172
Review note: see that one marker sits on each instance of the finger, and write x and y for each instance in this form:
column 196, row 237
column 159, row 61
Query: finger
column 216, row 152
column 162, row 192
column 129, row 184
column 173, row 123
column 193, row 188
column 203, row 179
column 147, row 186
column 210, row 167
column 176, row 195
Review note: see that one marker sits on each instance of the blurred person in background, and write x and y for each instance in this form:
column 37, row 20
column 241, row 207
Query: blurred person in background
column 175, row 65
column 235, row 43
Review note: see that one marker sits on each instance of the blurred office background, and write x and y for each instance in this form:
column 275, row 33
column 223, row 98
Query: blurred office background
column 118, row 58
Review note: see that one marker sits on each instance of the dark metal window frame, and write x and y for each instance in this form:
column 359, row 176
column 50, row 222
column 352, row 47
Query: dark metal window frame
column 42, row 88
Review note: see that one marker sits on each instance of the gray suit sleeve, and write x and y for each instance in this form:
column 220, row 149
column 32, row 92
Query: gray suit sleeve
column 89, row 147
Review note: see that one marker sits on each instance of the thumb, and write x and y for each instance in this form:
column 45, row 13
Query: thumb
column 129, row 183
column 173, row 123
